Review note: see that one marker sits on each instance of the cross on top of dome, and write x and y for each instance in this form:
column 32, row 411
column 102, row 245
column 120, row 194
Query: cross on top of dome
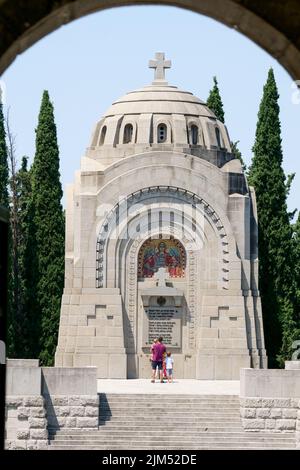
column 159, row 64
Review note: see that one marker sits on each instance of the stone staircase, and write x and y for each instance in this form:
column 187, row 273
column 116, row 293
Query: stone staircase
column 169, row 422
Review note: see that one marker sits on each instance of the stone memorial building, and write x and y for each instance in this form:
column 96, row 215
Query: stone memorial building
column 161, row 239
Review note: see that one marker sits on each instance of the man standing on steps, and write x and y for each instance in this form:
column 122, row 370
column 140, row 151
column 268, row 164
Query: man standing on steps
column 159, row 349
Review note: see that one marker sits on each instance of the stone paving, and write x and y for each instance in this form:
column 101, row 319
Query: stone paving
column 178, row 387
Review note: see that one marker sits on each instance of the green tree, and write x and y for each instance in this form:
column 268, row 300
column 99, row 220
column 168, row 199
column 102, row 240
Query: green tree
column 30, row 328
column 23, row 330
column 214, row 101
column 49, row 230
column 276, row 268
column 296, row 245
column 4, row 175
column 238, row 154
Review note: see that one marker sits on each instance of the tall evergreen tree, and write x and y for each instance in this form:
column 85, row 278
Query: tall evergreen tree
column 23, row 334
column 49, row 230
column 214, row 101
column 276, row 272
column 29, row 325
column 238, row 154
column 4, row 199
column 296, row 243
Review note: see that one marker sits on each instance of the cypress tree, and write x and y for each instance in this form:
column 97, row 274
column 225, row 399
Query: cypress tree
column 296, row 244
column 238, row 154
column 21, row 330
column 28, row 326
column 49, row 230
column 214, row 101
column 4, row 198
column 276, row 272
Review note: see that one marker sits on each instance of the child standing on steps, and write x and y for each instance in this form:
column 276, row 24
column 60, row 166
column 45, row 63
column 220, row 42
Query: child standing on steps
column 169, row 367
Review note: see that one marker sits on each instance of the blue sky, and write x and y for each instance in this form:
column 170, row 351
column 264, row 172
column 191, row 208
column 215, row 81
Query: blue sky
column 91, row 62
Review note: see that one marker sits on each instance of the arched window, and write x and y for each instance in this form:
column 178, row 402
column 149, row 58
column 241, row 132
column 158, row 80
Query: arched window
column 194, row 135
column 161, row 133
column 218, row 136
column 128, row 134
column 102, row 136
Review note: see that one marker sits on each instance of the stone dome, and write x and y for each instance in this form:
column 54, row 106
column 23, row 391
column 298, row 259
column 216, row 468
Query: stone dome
column 160, row 100
column 159, row 117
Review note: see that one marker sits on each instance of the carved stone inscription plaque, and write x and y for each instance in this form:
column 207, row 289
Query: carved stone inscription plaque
column 165, row 322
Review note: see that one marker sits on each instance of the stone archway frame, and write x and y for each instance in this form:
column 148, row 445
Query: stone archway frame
column 112, row 222
column 271, row 28
column 128, row 284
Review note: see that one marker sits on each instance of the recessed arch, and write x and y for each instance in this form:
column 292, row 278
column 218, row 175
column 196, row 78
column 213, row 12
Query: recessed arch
column 116, row 225
column 218, row 137
column 102, row 135
column 128, row 134
column 193, row 134
column 162, row 133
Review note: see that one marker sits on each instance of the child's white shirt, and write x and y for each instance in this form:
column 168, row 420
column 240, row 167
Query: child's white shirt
column 169, row 363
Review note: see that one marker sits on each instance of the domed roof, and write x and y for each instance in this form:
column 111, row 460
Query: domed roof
column 159, row 117
column 159, row 99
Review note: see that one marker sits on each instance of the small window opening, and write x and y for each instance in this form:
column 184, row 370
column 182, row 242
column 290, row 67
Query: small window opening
column 103, row 134
column 218, row 136
column 161, row 133
column 128, row 134
column 194, row 135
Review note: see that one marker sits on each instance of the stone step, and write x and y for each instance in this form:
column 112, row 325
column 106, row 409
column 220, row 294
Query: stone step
column 162, row 415
column 134, row 432
column 191, row 423
column 176, row 395
column 178, row 417
column 164, row 448
column 128, row 422
column 174, row 446
column 166, row 397
column 150, row 406
column 112, row 427
column 150, row 403
column 162, row 409
column 175, row 435
column 197, row 426
column 182, row 434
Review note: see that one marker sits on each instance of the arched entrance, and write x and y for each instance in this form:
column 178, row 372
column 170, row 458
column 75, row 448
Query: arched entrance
column 274, row 29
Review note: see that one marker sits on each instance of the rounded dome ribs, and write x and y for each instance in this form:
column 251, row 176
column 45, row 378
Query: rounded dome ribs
column 160, row 117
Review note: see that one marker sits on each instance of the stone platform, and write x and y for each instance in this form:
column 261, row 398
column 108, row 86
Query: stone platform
column 178, row 387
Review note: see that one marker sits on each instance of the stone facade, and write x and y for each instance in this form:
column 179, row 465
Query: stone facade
column 73, row 411
column 159, row 166
column 40, row 401
column 269, row 414
column 26, row 423
column 270, row 399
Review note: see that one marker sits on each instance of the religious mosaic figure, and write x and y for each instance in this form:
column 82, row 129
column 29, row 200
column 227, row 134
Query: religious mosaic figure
column 162, row 255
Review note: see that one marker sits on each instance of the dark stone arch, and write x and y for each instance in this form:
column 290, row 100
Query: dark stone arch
column 271, row 24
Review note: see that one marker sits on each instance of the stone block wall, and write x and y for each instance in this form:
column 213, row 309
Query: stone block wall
column 269, row 414
column 270, row 400
column 75, row 411
column 41, row 401
column 26, row 423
